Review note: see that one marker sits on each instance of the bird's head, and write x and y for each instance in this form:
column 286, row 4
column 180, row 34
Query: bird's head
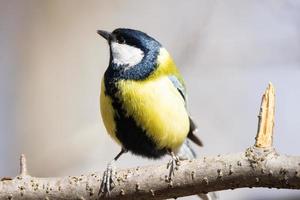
column 129, row 48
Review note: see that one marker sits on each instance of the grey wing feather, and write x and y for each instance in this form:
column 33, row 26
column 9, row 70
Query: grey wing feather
column 178, row 86
column 193, row 128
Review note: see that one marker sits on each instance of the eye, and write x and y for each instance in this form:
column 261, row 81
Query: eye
column 121, row 40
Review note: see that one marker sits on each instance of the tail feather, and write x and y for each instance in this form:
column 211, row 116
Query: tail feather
column 192, row 133
column 186, row 152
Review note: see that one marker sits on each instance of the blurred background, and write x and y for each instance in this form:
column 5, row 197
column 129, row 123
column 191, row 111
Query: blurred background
column 52, row 61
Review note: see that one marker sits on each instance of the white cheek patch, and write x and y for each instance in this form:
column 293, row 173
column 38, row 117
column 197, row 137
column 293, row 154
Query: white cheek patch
column 124, row 54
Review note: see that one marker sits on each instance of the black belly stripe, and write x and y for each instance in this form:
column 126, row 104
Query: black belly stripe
column 132, row 137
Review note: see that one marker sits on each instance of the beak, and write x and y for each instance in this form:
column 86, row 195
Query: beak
column 105, row 34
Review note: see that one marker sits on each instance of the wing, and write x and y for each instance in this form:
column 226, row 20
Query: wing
column 178, row 83
column 179, row 86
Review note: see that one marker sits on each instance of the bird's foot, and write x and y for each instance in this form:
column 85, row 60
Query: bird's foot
column 173, row 165
column 107, row 183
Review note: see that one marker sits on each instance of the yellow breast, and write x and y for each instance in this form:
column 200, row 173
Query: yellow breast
column 157, row 107
column 107, row 113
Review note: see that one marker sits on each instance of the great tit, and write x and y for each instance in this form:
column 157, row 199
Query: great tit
column 143, row 101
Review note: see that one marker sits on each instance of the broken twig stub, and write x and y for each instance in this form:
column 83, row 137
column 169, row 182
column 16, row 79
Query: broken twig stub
column 264, row 137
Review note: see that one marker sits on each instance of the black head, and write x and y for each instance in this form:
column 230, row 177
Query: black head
column 132, row 53
column 130, row 37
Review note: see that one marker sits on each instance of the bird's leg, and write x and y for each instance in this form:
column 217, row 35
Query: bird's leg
column 107, row 179
column 172, row 164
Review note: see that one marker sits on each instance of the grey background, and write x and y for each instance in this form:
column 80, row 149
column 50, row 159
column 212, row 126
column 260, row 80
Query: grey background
column 52, row 60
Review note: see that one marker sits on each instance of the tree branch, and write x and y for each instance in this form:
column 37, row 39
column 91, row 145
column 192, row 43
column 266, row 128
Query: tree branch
column 257, row 166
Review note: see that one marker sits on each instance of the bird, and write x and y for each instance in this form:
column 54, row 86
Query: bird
column 143, row 102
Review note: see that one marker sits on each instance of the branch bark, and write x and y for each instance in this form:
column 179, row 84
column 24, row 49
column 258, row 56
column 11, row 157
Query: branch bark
column 258, row 166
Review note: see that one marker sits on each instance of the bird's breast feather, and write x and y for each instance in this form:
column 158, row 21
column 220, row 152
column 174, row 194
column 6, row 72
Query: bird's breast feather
column 157, row 107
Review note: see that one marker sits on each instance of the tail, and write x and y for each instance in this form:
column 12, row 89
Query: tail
column 186, row 152
column 192, row 133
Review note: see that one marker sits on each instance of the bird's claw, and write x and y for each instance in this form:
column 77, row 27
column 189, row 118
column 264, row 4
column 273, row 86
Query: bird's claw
column 107, row 183
column 173, row 165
